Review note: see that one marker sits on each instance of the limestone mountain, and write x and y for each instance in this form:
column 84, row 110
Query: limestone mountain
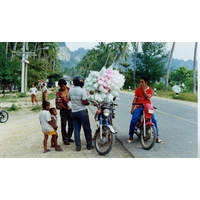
column 69, row 59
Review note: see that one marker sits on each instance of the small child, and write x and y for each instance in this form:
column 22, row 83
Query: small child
column 53, row 113
column 48, row 127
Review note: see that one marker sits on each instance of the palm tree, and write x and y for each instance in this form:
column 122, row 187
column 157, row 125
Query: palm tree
column 135, row 48
column 14, row 49
column 6, row 49
column 105, row 49
column 168, row 67
column 194, row 69
column 121, row 51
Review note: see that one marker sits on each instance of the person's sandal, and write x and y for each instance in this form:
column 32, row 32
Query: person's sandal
column 158, row 140
column 129, row 141
column 59, row 149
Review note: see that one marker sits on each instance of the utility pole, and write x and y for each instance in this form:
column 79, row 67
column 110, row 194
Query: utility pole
column 23, row 66
column 26, row 67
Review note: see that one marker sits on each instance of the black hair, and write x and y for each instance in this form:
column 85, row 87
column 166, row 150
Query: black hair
column 145, row 78
column 51, row 110
column 62, row 82
column 45, row 104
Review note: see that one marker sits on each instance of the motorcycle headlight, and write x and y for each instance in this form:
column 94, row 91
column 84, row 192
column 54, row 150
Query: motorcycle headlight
column 106, row 112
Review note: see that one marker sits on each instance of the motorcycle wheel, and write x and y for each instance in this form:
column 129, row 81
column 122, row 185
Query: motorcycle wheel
column 3, row 116
column 105, row 145
column 149, row 140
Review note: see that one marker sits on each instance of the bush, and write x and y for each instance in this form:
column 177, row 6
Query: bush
column 13, row 108
column 158, row 86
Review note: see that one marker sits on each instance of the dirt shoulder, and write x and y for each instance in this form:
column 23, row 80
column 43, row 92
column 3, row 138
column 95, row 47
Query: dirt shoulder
column 21, row 137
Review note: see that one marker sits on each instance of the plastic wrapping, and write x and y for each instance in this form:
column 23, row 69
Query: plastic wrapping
column 106, row 84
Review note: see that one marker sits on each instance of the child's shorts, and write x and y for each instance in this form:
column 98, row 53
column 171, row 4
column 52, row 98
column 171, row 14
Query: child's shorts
column 50, row 133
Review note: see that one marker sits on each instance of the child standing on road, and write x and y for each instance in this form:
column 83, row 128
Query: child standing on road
column 44, row 92
column 53, row 113
column 33, row 91
column 48, row 127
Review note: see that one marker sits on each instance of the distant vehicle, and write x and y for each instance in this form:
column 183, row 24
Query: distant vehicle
column 51, row 85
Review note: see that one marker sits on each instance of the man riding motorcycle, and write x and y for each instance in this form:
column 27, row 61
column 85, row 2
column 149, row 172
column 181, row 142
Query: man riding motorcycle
column 143, row 95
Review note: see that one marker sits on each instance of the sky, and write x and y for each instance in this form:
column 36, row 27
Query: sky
column 182, row 50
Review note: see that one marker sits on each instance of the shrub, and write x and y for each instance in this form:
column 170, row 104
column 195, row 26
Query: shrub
column 13, row 108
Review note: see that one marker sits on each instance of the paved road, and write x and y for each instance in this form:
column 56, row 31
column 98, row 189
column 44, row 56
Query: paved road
column 177, row 124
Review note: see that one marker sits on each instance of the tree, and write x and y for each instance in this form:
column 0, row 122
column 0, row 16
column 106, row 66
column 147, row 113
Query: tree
column 46, row 61
column 151, row 61
column 168, row 67
column 95, row 59
column 181, row 77
column 135, row 46
column 10, row 71
column 120, row 52
column 194, row 69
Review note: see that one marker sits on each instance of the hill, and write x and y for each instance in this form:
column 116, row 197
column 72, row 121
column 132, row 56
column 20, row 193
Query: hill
column 69, row 59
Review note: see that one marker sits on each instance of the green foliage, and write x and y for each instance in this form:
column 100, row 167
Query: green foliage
column 22, row 95
column 13, row 108
column 151, row 61
column 55, row 76
column 8, row 97
column 40, row 65
column 186, row 96
column 181, row 76
column 103, row 55
column 158, row 86
column 10, row 71
column 52, row 94
column 36, row 108
column 128, row 79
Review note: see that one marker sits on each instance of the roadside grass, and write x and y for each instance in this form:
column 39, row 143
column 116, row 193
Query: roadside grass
column 9, row 98
column 13, row 97
column 13, row 107
column 17, row 96
column 186, row 96
column 51, row 94
column 36, row 108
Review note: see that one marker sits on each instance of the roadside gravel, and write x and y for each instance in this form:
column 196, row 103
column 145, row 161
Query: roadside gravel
column 21, row 137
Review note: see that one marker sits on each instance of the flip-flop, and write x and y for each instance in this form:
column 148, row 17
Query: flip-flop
column 59, row 149
column 47, row 151
column 129, row 141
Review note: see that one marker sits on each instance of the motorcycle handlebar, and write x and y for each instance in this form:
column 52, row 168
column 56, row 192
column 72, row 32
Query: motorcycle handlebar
column 97, row 103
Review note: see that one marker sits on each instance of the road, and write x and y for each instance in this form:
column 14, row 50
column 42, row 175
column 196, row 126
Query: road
column 177, row 124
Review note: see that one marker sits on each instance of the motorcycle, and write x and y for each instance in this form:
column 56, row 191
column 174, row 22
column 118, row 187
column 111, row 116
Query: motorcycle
column 104, row 137
column 3, row 116
column 145, row 128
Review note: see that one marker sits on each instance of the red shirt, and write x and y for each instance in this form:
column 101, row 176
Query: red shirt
column 140, row 96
